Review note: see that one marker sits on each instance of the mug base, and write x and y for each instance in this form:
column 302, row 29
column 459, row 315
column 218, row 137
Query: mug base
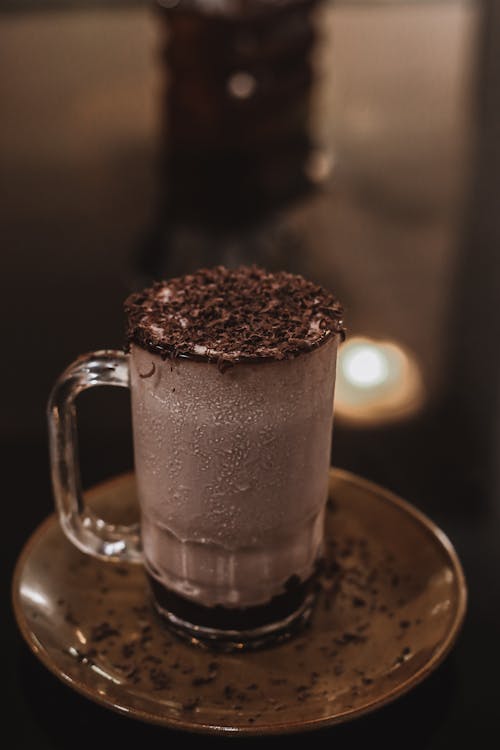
column 236, row 629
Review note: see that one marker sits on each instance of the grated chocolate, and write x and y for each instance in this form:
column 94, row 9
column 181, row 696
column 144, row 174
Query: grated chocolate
column 229, row 316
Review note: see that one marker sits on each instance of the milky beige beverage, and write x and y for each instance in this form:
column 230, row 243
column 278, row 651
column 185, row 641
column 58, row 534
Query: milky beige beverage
column 232, row 379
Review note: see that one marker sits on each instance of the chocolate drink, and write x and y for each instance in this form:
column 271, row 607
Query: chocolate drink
column 232, row 400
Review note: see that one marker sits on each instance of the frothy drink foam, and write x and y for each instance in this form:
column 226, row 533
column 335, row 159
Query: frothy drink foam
column 232, row 401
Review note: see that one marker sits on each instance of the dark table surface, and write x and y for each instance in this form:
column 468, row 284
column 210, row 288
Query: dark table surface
column 78, row 145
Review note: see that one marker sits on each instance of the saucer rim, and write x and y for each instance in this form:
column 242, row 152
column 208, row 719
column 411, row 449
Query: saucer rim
column 438, row 656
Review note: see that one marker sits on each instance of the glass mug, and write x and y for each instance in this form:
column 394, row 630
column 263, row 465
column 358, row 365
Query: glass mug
column 232, row 478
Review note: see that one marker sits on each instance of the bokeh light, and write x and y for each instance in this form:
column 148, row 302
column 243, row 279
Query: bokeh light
column 377, row 381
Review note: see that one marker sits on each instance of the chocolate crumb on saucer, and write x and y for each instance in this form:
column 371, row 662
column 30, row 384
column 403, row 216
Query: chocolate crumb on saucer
column 349, row 661
column 229, row 316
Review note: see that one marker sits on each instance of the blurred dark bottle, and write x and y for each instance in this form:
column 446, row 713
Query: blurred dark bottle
column 236, row 146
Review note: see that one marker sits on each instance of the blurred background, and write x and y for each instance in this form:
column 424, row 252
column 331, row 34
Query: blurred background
column 357, row 143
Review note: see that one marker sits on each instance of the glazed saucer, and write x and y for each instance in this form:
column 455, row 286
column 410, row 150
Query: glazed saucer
column 391, row 602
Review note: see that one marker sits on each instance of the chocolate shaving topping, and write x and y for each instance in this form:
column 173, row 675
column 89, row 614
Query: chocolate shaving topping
column 150, row 373
column 229, row 316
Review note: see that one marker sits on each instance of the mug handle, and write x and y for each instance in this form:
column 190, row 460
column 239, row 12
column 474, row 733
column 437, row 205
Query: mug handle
column 89, row 533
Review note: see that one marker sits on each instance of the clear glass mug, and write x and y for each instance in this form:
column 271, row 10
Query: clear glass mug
column 232, row 477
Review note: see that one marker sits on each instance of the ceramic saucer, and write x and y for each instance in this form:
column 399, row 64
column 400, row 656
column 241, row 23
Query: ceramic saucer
column 392, row 600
